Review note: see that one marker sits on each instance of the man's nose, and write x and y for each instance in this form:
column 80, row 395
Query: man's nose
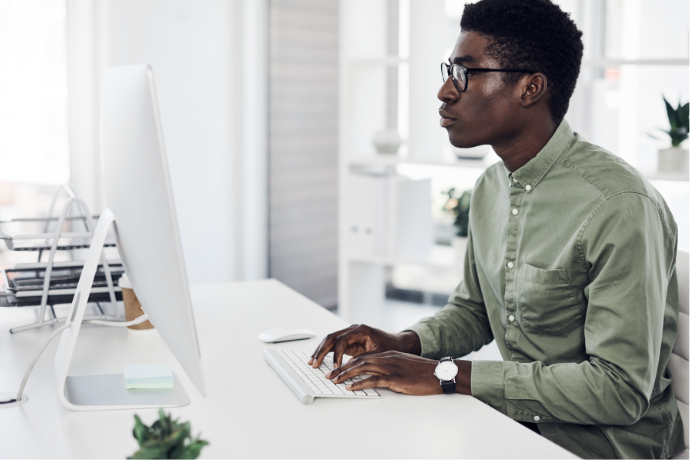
column 447, row 92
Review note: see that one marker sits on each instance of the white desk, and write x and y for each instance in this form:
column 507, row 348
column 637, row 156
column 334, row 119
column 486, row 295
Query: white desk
column 249, row 411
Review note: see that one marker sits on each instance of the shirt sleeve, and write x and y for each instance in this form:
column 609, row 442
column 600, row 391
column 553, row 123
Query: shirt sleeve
column 628, row 248
column 463, row 325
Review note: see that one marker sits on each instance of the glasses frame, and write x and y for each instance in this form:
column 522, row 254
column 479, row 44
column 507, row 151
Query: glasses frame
column 449, row 68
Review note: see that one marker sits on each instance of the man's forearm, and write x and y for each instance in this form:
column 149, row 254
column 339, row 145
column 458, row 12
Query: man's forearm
column 464, row 378
column 410, row 343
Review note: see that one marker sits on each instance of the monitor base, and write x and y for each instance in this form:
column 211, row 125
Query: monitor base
column 106, row 392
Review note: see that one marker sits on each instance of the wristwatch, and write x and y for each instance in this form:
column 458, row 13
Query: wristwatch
column 446, row 371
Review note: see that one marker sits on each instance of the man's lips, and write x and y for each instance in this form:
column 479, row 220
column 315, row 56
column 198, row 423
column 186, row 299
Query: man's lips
column 446, row 119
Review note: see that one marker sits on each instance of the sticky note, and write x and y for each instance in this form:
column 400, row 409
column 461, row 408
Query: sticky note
column 149, row 376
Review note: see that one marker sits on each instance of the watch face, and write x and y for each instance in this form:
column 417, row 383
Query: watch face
column 446, row 370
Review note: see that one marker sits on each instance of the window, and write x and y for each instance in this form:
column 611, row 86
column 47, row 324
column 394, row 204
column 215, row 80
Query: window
column 34, row 145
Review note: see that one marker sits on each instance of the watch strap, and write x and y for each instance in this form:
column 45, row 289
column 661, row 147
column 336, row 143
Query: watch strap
column 448, row 385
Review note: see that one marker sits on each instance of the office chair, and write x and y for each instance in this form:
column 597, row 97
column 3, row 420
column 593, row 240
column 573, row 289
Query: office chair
column 678, row 363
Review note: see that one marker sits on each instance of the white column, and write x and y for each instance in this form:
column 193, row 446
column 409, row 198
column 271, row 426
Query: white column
column 427, row 43
column 84, row 41
column 255, row 139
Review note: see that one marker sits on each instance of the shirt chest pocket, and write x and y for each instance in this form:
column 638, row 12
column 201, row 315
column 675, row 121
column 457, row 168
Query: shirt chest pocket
column 546, row 301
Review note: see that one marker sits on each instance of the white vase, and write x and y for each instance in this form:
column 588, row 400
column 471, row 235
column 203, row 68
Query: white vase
column 673, row 159
column 387, row 141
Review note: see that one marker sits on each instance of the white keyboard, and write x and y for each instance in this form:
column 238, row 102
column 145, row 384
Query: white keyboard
column 309, row 383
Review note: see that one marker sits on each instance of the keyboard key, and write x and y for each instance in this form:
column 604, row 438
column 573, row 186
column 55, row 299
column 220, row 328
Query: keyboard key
column 315, row 389
column 337, row 390
column 370, row 392
column 345, row 390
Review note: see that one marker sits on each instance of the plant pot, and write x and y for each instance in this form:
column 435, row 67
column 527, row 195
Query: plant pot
column 673, row 159
column 387, row 141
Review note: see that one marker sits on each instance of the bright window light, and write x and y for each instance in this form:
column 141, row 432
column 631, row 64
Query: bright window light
column 34, row 145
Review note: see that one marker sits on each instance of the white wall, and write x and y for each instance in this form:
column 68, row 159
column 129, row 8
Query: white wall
column 197, row 54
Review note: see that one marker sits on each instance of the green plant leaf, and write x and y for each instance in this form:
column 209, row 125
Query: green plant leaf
column 194, row 449
column 165, row 424
column 140, row 430
column 175, row 441
column 672, row 117
column 684, row 117
column 166, row 438
column 148, row 452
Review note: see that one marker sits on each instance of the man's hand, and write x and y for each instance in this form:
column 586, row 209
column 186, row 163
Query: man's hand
column 359, row 339
column 400, row 372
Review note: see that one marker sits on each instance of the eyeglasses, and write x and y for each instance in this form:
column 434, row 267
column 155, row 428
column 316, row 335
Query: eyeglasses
column 458, row 73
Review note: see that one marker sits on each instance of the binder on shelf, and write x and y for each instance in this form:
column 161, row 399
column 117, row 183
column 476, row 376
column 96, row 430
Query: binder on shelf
column 389, row 216
column 409, row 218
column 365, row 215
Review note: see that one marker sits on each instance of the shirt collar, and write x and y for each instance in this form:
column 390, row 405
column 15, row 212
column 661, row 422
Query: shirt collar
column 532, row 173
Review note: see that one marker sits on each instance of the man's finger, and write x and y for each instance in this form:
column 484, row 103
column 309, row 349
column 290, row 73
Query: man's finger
column 362, row 367
column 316, row 352
column 343, row 367
column 342, row 342
column 326, row 346
column 371, row 382
column 373, row 357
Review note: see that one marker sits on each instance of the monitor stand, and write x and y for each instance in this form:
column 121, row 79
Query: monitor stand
column 102, row 392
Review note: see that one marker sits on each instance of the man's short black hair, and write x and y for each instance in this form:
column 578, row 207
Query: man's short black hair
column 531, row 34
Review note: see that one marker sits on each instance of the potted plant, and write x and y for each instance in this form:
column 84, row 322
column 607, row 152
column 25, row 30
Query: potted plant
column 675, row 158
column 458, row 204
column 166, row 438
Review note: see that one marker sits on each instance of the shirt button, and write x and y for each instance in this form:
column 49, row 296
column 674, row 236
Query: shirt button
column 515, row 211
column 511, row 318
column 536, row 418
column 528, row 187
column 510, row 265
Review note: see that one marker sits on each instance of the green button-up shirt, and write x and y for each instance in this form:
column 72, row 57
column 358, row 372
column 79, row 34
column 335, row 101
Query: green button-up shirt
column 570, row 267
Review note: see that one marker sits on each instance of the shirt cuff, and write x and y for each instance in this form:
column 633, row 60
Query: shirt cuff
column 487, row 383
column 427, row 339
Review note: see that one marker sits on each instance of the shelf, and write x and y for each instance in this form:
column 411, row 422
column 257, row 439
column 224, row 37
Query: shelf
column 666, row 175
column 605, row 62
column 440, row 257
column 394, row 160
column 382, row 160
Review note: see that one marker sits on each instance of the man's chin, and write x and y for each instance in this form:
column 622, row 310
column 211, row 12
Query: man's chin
column 463, row 143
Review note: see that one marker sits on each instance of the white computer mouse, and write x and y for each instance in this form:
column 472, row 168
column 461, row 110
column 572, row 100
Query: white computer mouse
column 284, row 334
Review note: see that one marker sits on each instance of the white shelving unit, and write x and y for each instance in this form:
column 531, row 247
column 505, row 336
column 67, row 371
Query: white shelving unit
column 363, row 71
column 440, row 257
column 379, row 160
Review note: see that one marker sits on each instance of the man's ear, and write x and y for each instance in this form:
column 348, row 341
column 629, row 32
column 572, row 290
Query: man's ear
column 533, row 89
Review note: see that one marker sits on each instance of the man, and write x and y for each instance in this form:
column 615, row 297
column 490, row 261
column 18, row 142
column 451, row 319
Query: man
column 570, row 264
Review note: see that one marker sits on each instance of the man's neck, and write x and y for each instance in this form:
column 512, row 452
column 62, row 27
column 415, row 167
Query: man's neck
column 518, row 150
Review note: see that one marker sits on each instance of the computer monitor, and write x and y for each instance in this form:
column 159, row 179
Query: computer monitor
column 140, row 200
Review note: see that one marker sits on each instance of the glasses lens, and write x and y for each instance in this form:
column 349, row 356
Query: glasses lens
column 444, row 71
column 459, row 76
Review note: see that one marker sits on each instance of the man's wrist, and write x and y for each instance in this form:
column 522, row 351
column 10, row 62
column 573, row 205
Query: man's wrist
column 410, row 343
column 463, row 381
